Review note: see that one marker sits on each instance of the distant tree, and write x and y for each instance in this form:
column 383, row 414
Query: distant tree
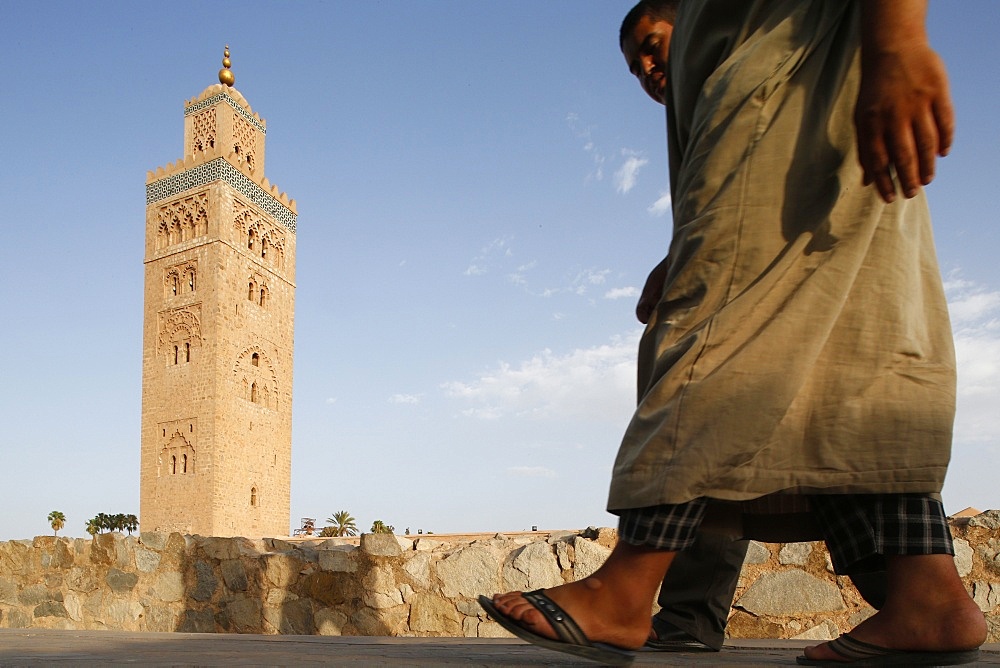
column 378, row 526
column 131, row 523
column 93, row 527
column 343, row 524
column 103, row 521
column 57, row 520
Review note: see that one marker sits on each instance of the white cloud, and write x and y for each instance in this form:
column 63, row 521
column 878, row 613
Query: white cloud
column 585, row 133
column 531, row 472
column 596, row 383
column 622, row 293
column 405, row 399
column 660, row 206
column 975, row 314
column 490, row 256
column 331, row 400
column 626, row 175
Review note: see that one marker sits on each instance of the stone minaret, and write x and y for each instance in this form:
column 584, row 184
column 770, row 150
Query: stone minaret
column 217, row 330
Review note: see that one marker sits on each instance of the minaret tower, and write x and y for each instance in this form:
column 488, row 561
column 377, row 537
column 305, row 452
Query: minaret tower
column 217, row 330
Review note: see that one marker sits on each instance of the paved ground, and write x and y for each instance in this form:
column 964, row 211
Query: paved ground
column 37, row 647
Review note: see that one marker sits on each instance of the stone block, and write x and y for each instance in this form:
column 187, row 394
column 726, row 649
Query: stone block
column 790, row 592
column 222, row 548
column 534, row 566
column 990, row 520
column 469, row 572
column 331, row 588
column 33, row 595
column 146, row 561
column 50, row 609
column 338, row 561
column 603, row 536
column 825, row 630
column 435, row 615
column 744, row 625
column 74, row 606
column 15, row 557
column 205, row 582
column 329, row 622
column 795, row 554
column 757, row 553
column 565, row 554
column 242, row 615
column 380, row 545
column 292, row 617
column 282, row 569
column 197, row 621
column 963, row 557
column 160, row 619
column 986, row 595
column 588, row 557
column 369, row 622
column 15, row 618
column 154, row 540
column 8, row 591
column 124, row 614
column 379, row 589
column 234, row 575
column 168, row 587
column 426, row 544
column 418, row 567
column 120, row 581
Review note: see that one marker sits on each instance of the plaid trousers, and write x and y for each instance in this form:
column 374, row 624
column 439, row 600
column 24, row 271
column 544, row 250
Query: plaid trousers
column 859, row 529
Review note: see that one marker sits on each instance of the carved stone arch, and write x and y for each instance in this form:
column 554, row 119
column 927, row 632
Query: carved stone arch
column 260, row 380
column 162, row 235
column 177, row 456
column 172, row 282
column 179, row 327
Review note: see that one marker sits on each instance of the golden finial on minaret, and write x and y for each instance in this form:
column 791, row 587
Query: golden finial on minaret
column 226, row 75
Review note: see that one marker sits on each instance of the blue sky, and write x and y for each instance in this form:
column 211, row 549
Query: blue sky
column 481, row 192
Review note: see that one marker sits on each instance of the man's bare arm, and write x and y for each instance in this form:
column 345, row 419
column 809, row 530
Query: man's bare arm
column 904, row 116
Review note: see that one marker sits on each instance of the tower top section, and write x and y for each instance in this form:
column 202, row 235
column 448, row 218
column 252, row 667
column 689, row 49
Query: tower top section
column 226, row 76
column 224, row 139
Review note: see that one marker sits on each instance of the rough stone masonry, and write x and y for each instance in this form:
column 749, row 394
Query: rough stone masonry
column 399, row 586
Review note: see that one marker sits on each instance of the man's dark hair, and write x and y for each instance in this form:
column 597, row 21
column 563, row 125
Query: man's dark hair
column 658, row 10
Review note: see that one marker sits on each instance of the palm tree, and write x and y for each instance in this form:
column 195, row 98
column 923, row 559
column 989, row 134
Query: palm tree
column 57, row 520
column 343, row 524
column 131, row 523
column 93, row 527
column 378, row 526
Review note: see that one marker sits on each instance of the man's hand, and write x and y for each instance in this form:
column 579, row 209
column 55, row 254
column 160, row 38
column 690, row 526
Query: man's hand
column 904, row 116
column 652, row 291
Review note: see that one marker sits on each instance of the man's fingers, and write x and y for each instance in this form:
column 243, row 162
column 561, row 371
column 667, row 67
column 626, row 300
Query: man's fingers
column 944, row 116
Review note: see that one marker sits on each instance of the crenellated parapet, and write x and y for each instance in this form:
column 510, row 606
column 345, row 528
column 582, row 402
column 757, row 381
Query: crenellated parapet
column 209, row 166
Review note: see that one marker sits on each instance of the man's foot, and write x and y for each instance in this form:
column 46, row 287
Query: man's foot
column 602, row 617
column 933, row 613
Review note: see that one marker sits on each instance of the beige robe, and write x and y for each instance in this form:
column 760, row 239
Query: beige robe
column 802, row 343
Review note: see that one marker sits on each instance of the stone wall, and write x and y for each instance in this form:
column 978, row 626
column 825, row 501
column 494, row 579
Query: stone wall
column 390, row 585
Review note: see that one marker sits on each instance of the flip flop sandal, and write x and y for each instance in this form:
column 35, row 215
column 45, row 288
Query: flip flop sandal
column 571, row 639
column 861, row 653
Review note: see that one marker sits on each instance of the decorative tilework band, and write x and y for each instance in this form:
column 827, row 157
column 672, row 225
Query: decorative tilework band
column 208, row 102
column 220, row 170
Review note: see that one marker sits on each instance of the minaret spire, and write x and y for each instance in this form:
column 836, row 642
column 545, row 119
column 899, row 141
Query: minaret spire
column 226, row 75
